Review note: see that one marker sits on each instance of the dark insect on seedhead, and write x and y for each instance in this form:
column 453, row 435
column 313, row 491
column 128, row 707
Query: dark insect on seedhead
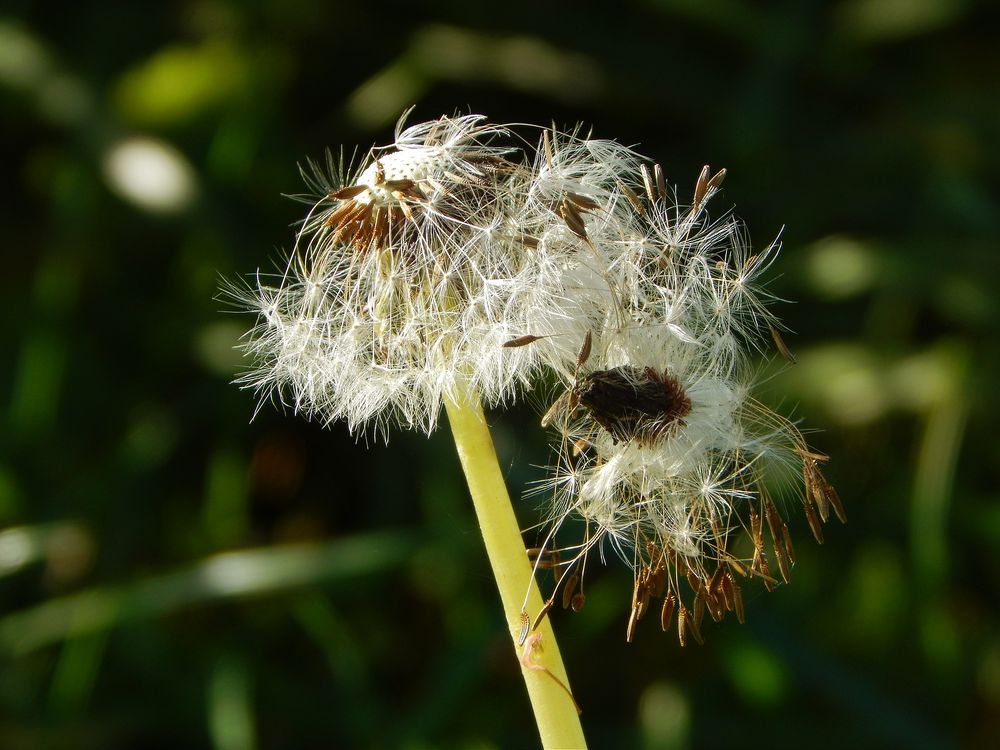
column 634, row 404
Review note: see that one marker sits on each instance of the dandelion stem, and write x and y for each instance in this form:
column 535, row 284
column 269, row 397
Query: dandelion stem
column 555, row 712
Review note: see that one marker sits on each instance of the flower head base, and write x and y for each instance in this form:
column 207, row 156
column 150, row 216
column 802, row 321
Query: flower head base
column 440, row 177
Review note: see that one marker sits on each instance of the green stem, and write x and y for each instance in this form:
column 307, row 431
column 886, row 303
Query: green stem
column 548, row 686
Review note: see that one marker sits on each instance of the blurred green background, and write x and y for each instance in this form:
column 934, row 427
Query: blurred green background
column 175, row 575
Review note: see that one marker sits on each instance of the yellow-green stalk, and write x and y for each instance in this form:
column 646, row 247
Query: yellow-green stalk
column 555, row 711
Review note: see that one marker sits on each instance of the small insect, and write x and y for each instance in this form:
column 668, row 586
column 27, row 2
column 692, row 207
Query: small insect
column 637, row 404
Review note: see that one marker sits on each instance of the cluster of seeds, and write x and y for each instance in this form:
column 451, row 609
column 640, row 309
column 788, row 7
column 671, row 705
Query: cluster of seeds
column 664, row 453
column 468, row 252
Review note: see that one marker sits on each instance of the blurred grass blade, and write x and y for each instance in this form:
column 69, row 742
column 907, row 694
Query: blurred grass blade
column 230, row 575
column 934, row 481
column 230, row 705
column 930, row 523
column 76, row 673
column 348, row 662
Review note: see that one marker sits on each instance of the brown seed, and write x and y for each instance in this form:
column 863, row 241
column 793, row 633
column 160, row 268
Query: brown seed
column 630, row 630
column 525, row 625
column 755, row 530
column 694, row 622
column 773, row 519
column 636, row 585
column 405, row 208
column 737, row 567
column 657, row 580
column 661, row 183
column 814, row 522
column 701, row 186
column 546, row 559
column 643, row 602
column 693, row 581
column 814, row 489
column 527, row 240
column 633, row 199
column 573, row 218
column 347, row 193
column 681, row 625
column 582, row 202
column 774, row 524
column 738, row 602
column 717, row 604
column 584, row 354
column 716, row 182
column 761, row 568
column 834, row 499
column 727, row 586
column 808, row 454
column 783, row 564
column 667, row 612
column 344, row 214
column 716, row 609
column 715, row 582
column 568, row 589
column 403, row 188
column 541, row 614
column 521, row 341
column 787, row 538
column 647, row 181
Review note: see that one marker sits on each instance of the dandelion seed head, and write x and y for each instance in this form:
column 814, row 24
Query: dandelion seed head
column 398, row 283
column 460, row 253
column 659, row 427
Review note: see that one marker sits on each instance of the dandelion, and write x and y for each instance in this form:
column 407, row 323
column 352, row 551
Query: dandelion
column 407, row 277
column 458, row 265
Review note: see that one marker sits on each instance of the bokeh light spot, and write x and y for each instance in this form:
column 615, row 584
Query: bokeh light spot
column 150, row 174
column 665, row 717
column 841, row 267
